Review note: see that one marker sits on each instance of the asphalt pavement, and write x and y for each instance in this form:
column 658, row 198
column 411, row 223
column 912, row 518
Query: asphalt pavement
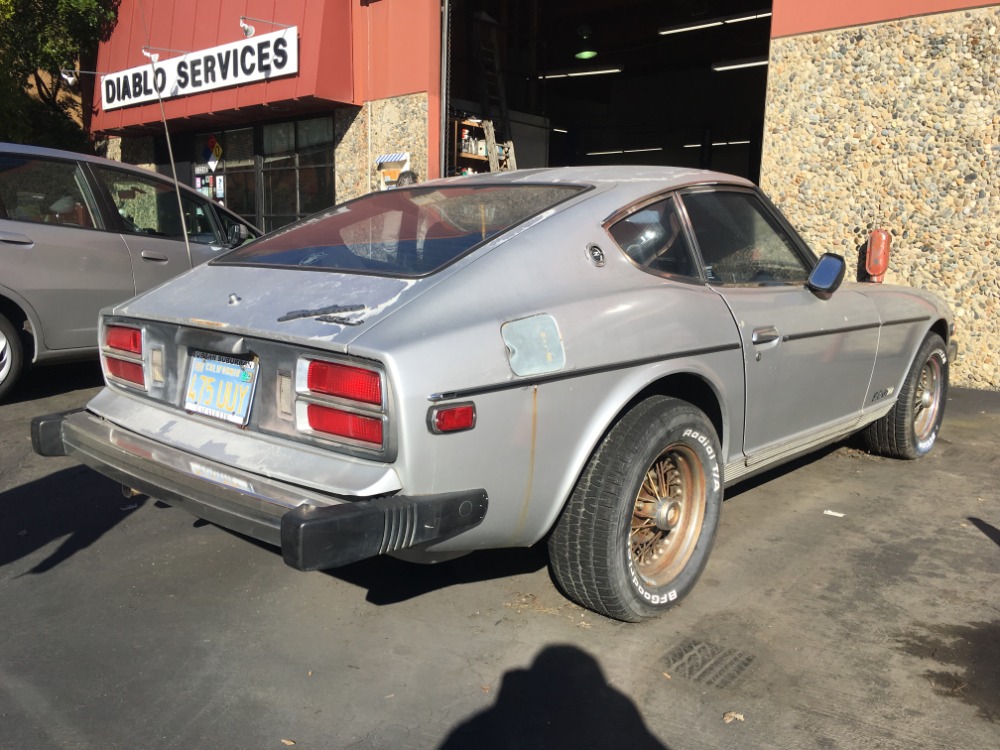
column 850, row 602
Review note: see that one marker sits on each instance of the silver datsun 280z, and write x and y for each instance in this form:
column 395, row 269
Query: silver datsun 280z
column 584, row 355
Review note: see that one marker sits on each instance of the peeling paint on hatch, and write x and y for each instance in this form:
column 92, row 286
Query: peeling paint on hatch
column 321, row 313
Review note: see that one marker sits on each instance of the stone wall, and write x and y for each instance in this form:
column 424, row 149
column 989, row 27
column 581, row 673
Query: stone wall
column 382, row 126
column 897, row 125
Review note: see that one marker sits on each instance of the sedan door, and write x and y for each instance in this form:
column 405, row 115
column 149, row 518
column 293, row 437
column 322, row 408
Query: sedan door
column 807, row 360
column 151, row 226
column 55, row 251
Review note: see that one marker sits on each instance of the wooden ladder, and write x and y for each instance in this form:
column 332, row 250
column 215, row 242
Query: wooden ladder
column 496, row 116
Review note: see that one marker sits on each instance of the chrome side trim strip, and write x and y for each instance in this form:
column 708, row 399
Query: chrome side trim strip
column 784, row 451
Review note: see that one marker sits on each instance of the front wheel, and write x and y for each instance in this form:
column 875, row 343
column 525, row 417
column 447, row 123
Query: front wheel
column 911, row 427
column 11, row 356
column 636, row 533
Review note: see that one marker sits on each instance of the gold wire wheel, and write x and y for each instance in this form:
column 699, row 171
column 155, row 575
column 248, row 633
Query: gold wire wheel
column 927, row 399
column 668, row 515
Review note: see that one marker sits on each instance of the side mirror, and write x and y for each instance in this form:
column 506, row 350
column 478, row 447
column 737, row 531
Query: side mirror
column 237, row 235
column 827, row 274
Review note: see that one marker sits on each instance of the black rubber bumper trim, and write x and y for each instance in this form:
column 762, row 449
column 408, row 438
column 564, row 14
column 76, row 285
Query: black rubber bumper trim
column 46, row 433
column 312, row 534
column 316, row 538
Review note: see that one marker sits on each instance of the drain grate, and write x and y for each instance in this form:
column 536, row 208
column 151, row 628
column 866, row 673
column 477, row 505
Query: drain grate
column 706, row 663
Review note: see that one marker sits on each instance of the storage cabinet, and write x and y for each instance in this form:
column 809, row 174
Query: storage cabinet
column 468, row 150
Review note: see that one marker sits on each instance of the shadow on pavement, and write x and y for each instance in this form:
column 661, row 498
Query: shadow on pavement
column 51, row 380
column 561, row 701
column 390, row 581
column 991, row 531
column 76, row 505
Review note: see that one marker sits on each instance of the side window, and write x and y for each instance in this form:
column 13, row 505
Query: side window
column 43, row 191
column 149, row 206
column 740, row 241
column 653, row 237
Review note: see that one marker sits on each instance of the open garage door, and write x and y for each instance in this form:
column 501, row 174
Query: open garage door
column 610, row 82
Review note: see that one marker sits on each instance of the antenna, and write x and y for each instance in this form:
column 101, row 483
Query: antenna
column 153, row 58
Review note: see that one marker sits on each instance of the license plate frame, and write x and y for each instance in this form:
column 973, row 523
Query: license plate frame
column 221, row 387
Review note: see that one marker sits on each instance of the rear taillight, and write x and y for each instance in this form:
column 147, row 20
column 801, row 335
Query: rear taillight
column 123, row 339
column 340, row 401
column 345, row 381
column 122, row 355
column 130, row 371
column 345, row 424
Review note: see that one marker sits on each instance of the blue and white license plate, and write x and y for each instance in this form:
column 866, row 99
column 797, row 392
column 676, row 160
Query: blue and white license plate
column 221, row 387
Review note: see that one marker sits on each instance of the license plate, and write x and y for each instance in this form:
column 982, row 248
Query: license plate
column 221, row 387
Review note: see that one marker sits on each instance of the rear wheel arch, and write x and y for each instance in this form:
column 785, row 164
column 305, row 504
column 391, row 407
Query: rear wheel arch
column 690, row 387
column 687, row 386
column 18, row 318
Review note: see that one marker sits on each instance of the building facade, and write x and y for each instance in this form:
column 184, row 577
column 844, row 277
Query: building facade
column 886, row 113
column 276, row 109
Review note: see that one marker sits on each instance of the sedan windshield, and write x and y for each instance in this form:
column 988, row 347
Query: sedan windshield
column 402, row 232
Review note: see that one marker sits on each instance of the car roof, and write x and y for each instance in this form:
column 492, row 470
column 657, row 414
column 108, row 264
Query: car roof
column 55, row 153
column 653, row 176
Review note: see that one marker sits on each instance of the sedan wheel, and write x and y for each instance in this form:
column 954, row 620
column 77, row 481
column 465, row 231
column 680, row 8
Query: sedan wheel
column 637, row 530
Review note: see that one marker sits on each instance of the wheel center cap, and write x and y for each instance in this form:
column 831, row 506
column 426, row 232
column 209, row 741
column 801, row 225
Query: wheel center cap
column 668, row 514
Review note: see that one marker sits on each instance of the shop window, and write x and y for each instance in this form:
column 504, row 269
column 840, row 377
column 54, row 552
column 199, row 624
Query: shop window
column 270, row 175
column 298, row 175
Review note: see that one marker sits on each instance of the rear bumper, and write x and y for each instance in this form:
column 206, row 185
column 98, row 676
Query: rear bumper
column 314, row 530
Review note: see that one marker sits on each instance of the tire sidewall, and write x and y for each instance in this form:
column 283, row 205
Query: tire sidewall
column 932, row 348
column 15, row 353
column 688, row 426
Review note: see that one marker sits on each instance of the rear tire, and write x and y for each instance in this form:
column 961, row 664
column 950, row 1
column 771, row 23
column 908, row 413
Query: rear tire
column 636, row 533
column 911, row 427
column 11, row 356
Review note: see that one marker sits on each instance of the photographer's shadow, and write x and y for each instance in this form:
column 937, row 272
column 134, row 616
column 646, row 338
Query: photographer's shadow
column 561, row 701
column 74, row 507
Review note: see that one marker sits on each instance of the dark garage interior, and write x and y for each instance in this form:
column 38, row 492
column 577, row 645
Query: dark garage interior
column 671, row 99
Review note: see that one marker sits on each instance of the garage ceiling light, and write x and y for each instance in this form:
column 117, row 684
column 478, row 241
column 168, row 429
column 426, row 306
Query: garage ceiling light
column 718, row 143
column 578, row 73
column 714, row 22
column 695, row 27
column 738, row 64
column 625, row 151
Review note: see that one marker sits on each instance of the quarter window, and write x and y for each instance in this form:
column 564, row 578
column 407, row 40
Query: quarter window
column 48, row 192
column 654, row 238
column 740, row 242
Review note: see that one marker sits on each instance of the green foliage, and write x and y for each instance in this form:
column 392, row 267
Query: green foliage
column 38, row 38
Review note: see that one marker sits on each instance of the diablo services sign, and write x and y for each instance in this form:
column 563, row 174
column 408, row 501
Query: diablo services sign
column 260, row 58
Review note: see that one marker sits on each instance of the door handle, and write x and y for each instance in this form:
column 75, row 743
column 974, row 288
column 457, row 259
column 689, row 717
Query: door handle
column 154, row 257
column 16, row 238
column 766, row 335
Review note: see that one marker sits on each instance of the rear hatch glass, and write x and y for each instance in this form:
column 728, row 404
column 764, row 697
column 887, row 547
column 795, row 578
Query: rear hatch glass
column 403, row 232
